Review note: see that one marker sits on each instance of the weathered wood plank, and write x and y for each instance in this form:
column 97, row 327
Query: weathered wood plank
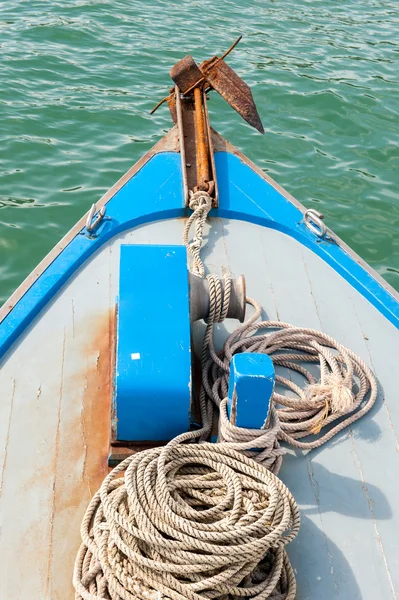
column 250, row 259
column 84, row 424
column 296, row 305
column 288, row 279
column 26, row 502
column 352, row 488
column 378, row 448
column 382, row 342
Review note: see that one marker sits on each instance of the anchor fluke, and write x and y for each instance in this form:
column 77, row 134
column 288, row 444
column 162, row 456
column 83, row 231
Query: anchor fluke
column 215, row 74
column 233, row 89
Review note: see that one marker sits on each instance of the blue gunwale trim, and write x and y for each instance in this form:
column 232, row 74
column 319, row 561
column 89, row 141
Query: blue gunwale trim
column 155, row 193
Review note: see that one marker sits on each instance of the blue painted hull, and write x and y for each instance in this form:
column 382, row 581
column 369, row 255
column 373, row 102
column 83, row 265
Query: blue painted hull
column 155, row 193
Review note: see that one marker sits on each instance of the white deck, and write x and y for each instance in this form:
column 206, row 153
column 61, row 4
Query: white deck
column 54, row 421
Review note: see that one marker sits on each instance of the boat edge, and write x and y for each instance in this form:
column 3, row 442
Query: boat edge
column 168, row 143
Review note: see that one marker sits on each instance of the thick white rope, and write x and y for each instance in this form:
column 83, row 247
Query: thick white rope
column 201, row 204
column 190, row 521
column 346, row 391
column 269, row 453
column 259, row 444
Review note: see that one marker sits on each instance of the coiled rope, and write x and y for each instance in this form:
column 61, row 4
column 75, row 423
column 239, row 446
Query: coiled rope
column 346, row 391
column 191, row 521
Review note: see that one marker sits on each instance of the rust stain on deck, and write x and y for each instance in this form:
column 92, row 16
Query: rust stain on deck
column 85, row 420
column 84, row 442
column 96, row 415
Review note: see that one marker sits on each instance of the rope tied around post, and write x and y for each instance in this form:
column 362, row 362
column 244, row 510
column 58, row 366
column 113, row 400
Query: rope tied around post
column 259, row 444
column 346, row 391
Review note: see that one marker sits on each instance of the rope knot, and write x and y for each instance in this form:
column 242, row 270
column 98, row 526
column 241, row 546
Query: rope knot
column 195, row 244
column 333, row 391
column 200, row 199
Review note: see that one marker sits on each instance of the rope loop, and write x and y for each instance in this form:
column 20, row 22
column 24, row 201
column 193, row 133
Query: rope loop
column 219, row 298
column 259, row 444
column 346, row 389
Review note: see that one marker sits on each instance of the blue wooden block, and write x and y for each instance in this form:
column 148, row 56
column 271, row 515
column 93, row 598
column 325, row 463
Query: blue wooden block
column 251, row 386
column 153, row 363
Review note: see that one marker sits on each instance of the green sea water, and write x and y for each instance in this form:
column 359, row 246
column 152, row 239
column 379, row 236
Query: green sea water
column 78, row 78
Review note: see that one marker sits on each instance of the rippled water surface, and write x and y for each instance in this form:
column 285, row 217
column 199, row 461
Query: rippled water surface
column 78, row 78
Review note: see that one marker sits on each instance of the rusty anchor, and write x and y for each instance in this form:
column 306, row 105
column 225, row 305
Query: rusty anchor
column 188, row 106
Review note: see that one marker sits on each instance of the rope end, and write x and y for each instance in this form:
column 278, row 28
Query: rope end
column 334, row 392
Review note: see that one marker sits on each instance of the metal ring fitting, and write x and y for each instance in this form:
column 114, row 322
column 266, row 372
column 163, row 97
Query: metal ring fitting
column 314, row 221
column 90, row 224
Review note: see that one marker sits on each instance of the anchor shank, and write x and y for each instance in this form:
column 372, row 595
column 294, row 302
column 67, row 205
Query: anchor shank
column 202, row 158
